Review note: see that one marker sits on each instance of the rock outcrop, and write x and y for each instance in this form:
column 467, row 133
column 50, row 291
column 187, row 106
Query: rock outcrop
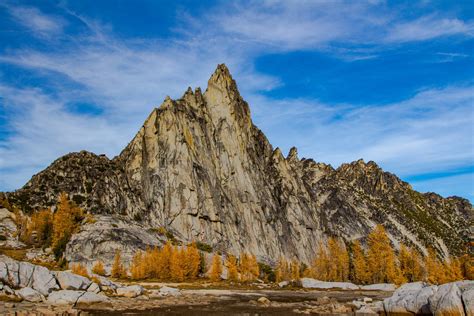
column 200, row 169
column 420, row 298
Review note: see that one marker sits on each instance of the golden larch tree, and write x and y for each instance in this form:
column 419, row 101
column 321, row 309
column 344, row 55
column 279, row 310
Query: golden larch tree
column 249, row 269
column 321, row 264
column 360, row 273
column 381, row 257
column 66, row 220
column 80, row 269
column 98, row 268
column 295, row 270
column 193, row 262
column 338, row 264
column 138, row 266
column 282, row 271
column 216, row 268
column 435, row 273
column 232, row 272
column 410, row 262
column 118, row 269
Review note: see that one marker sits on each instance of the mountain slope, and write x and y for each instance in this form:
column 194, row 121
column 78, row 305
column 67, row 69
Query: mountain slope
column 200, row 168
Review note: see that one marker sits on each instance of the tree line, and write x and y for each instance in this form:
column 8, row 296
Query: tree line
column 333, row 261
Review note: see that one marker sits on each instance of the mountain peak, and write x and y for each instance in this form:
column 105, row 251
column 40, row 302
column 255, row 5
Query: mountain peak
column 222, row 81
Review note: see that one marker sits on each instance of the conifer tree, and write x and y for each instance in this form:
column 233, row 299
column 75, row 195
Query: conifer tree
column 381, row 257
column 79, row 269
column 232, row 272
column 338, row 264
column 410, row 264
column 177, row 264
column 359, row 264
column 138, row 267
column 282, row 271
column 435, row 273
column 193, row 262
column 98, row 268
column 321, row 264
column 118, row 270
column 216, row 268
column 454, row 270
column 295, row 270
column 65, row 222
column 249, row 269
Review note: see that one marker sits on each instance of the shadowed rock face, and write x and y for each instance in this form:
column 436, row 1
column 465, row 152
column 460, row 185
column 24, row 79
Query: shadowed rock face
column 200, row 168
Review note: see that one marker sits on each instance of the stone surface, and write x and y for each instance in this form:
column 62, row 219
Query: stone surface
column 379, row 287
column 64, row 297
column 70, row 281
column 468, row 301
column 30, row 295
column 447, row 301
column 283, row 283
column 88, row 298
column 8, row 230
column 166, row 290
column 130, row 291
column 94, row 288
column 316, row 284
column 264, row 301
column 44, row 281
column 200, row 169
column 410, row 298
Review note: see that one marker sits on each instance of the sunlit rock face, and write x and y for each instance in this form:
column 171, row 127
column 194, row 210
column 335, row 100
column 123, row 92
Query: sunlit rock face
column 199, row 168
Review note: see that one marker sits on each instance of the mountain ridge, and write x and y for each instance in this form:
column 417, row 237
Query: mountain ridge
column 199, row 167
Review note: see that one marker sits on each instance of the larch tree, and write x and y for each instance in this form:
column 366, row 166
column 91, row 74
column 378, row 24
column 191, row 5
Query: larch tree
column 321, row 264
column 193, row 262
column 410, row 264
column 435, row 273
column 360, row 273
column 177, row 264
column 118, row 269
column 98, row 268
column 138, row 267
column 295, row 270
column 338, row 265
column 381, row 257
column 216, row 268
column 282, row 271
column 65, row 222
column 79, row 269
column 232, row 271
column 249, row 269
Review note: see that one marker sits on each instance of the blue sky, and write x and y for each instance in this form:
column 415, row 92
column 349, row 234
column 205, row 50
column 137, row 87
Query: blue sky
column 391, row 81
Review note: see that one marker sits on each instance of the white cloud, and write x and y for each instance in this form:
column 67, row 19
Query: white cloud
column 428, row 27
column 37, row 22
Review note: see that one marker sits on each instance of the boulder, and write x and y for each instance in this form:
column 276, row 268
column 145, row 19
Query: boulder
column 105, row 283
column 468, row 300
column 130, row 291
column 94, row 288
column 88, row 298
column 70, row 281
column 9, row 271
column 44, row 281
column 447, row 301
column 465, row 285
column 30, row 295
column 389, row 287
column 365, row 310
column 410, row 298
column 283, row 283
column 264, row 301
column 64, row 297
column 316, row 284
column 166, row 290
column 25, row 273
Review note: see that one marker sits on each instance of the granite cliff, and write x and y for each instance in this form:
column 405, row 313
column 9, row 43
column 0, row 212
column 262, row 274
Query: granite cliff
column 201, row 170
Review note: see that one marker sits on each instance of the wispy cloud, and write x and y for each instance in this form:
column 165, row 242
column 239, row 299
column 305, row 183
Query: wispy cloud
column 34, row 20
column 429, row 27
column 127, row 77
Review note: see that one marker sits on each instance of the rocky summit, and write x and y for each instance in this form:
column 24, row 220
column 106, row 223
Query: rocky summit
column 199, row 169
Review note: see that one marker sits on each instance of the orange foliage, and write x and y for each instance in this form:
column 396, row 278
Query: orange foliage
column 98, row 268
